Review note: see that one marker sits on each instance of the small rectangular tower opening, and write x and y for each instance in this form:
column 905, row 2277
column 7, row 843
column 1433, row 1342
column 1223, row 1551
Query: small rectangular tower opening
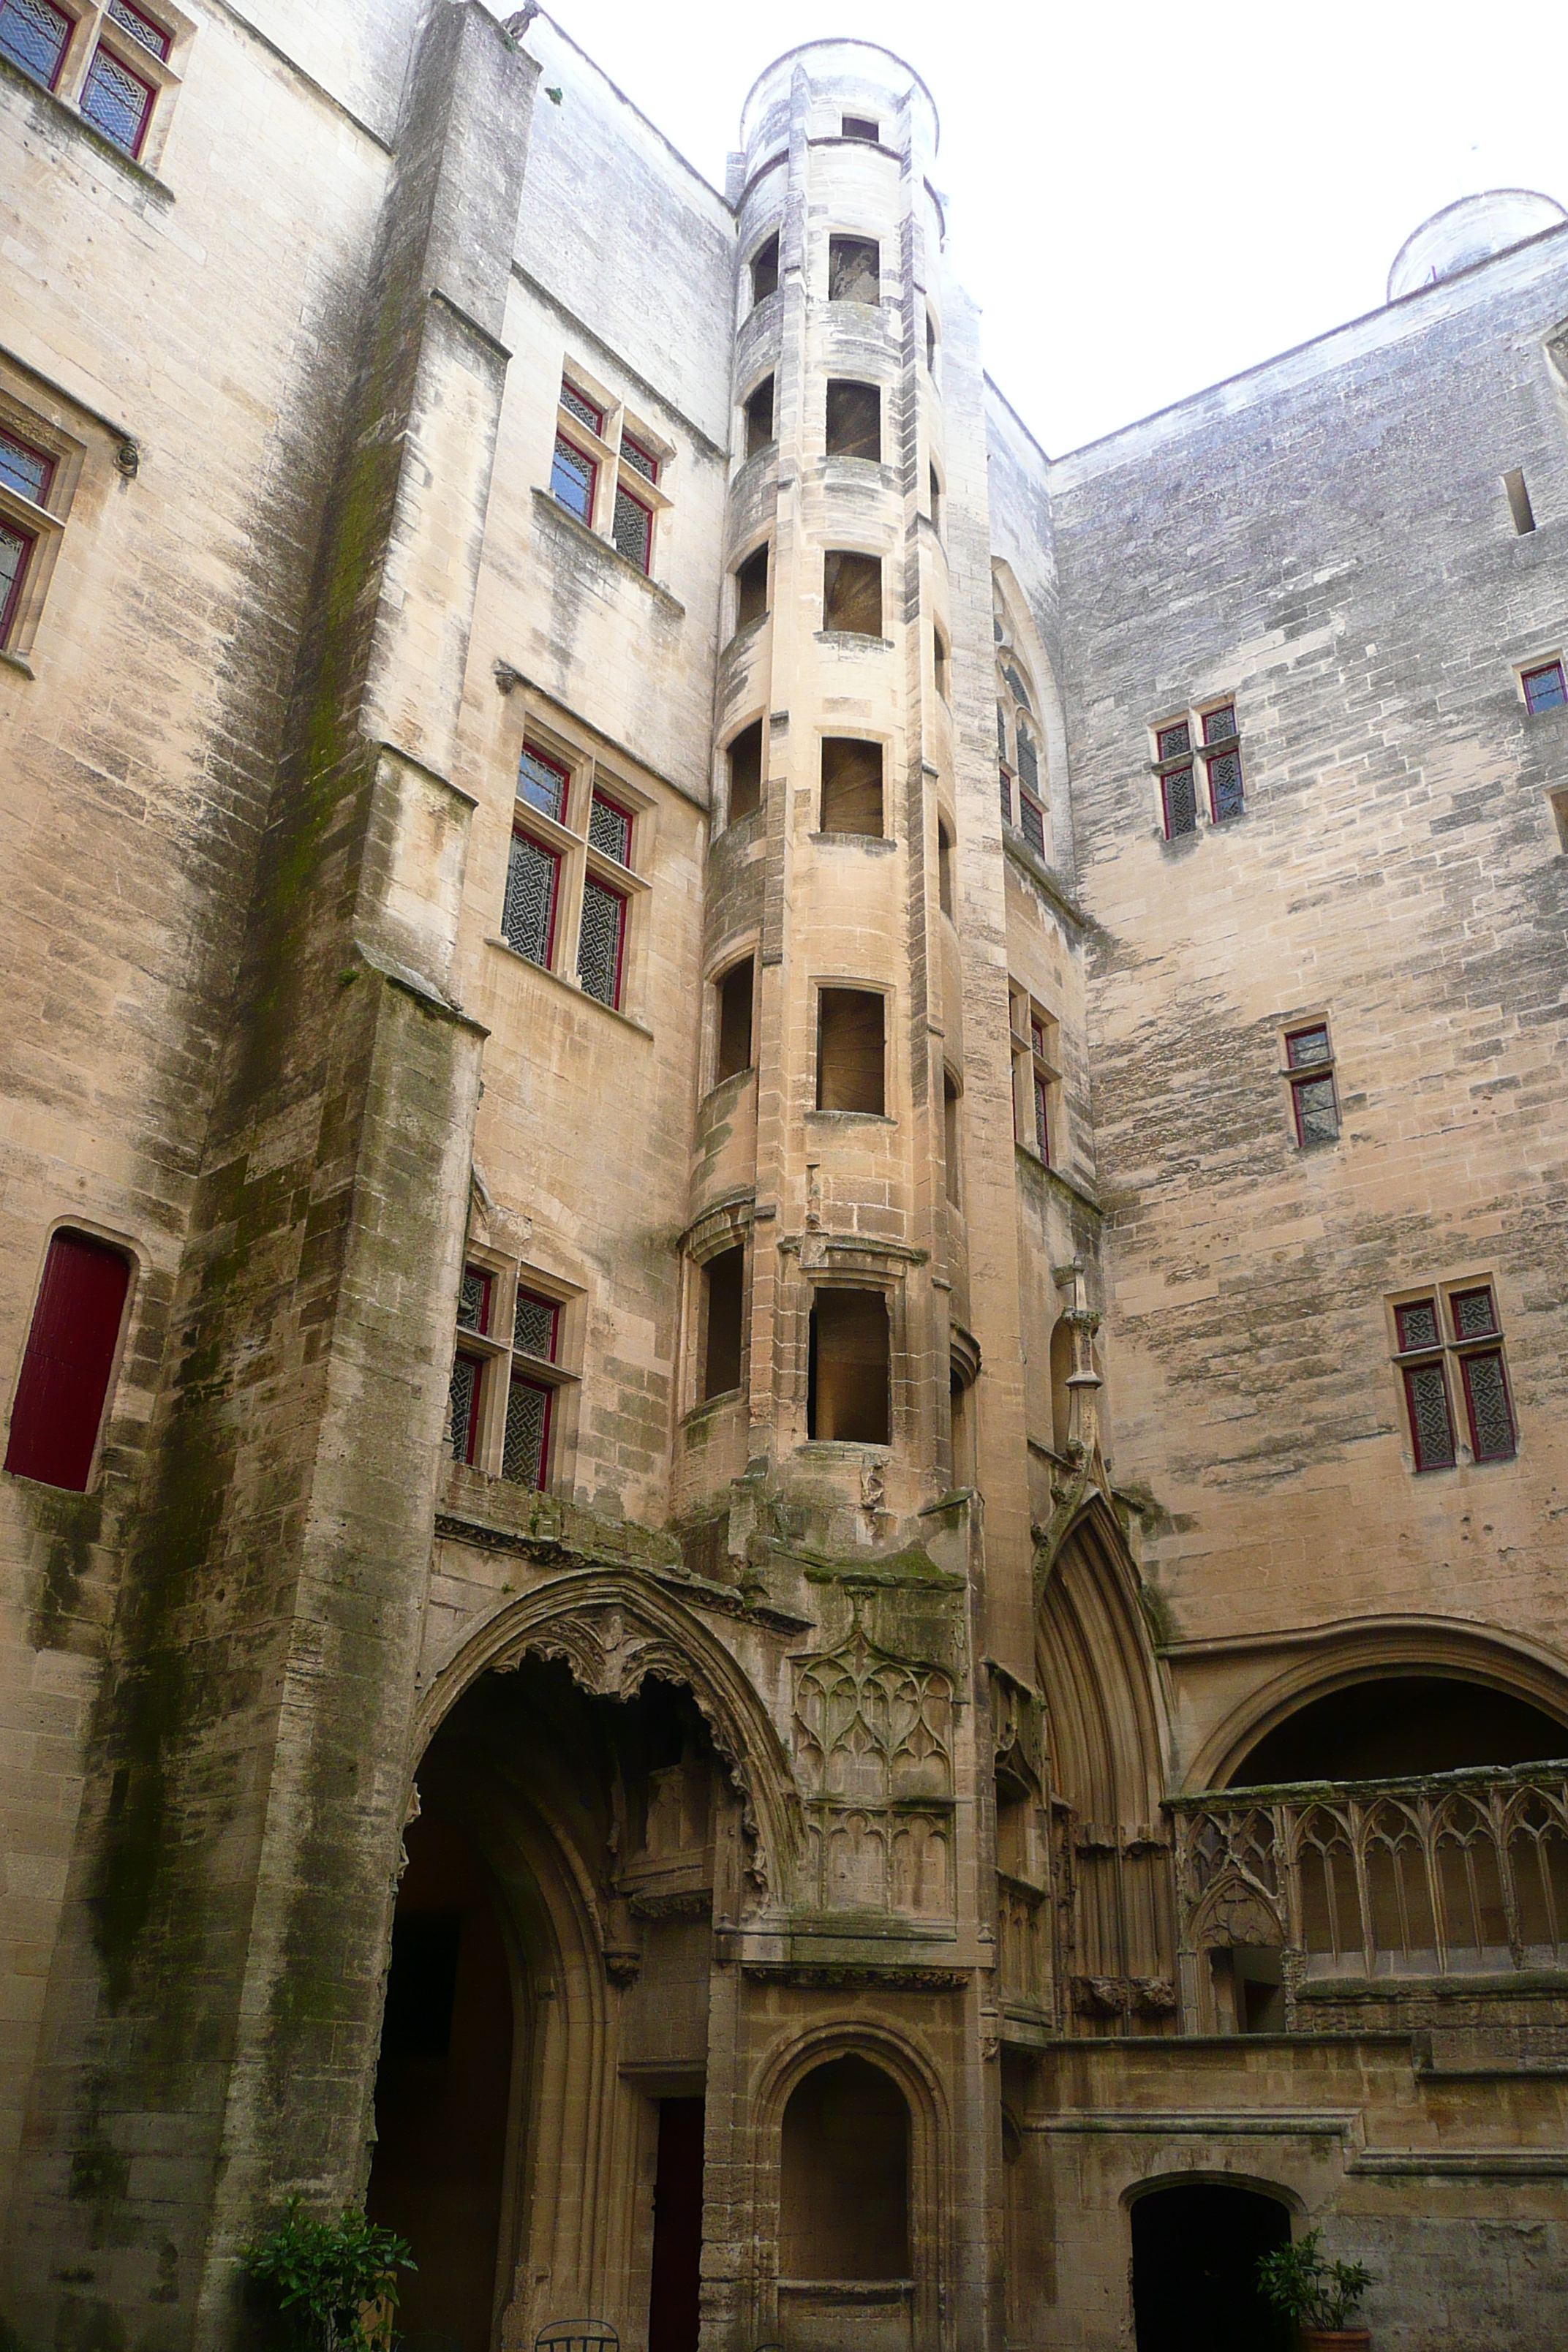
column 723, row 1319
column 851, row 786
column 854, row 269
column 752, row 590
column 734, row 1022
column 759, row 417
column 745, row 758
column 852, row 593
column 861, row 126
column 849, row 1377
column 851, row 1050
column 854, row 419
column 764, row 272
column 1519, row 504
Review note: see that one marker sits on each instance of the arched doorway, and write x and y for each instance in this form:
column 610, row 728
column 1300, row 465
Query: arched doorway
column 845, row 2255
column 1195, row 2247
column 1392, row 1725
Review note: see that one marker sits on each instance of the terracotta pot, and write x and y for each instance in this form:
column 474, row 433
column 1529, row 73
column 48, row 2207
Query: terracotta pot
column 1335, row 2339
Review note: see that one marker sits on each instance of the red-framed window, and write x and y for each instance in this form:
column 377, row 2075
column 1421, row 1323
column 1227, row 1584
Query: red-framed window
column 1178, row 791
column 1224, row 766
column 16, row 551
column 574, row 476
column 1042, row 1091
column 467, row 1395
column 1031, row 812
column 24, row 469
column 152, row 37
column 533, row 893
column 632, row 529
column 117, row 102
column 63, row 1385
column 525, row 1449
column 474, row 1296
column 643, row 461
column 1425, row 1385
column 536, row 1327
column 610, row 828
column 1545, row 687
column 35, row 36
column 543, row 782
column 1312, row 1099
column 1487, row 1406
column 578, row 405
column 602, row 942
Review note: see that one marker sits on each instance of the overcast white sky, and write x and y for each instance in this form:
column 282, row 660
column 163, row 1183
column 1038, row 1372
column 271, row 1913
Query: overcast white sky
column 1145, row 199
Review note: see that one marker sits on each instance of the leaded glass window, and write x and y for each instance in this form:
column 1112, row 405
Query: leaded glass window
column 537, row 1325
column 1028, row 762
column 1417, row 1326
column 610, row 829
column 533, row 883
column 116, row 101
column 600, row 941
column 1487, row 1405
column 1544, row 688
column 1431, row 1430
column 633, row 529
column 572, row 479
column 526, row 1446
column 1032, row 823
column 1181, row 802
column 142, row 28
column 542, row 781
column 1219, row 726
column 24, row 468
column 642, row 460
column 1042, row 1123
column 1305, row 1047
column 1317, row 1114
column 1006, row 784
column 1225, row 787
column 474, row 1300
column 33, row 35
column 463, row 1414
column 1474, row 1315
column 1174, row 742
column 15, row 546
column 578, row 403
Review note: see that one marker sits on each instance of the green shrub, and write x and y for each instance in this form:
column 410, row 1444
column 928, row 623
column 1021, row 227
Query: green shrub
column 1303, row 2283
column 335, row 2281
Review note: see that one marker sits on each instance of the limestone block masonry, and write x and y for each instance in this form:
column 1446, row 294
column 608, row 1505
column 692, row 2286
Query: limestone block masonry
column 782, row 1269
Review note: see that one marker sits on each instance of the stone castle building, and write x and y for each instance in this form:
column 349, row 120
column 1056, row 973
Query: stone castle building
column 783, row 1257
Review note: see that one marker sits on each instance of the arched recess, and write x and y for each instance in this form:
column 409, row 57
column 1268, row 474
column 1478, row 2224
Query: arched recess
column 615, row 1629
column 935, row 2191
column 1195, row 2245
column 1368, row 1649
column 1106, row 1742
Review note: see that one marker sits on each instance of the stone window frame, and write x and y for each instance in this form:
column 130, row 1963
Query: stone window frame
column 728, row 1226
column 744, row 948
column 1035, row 1039
column 1296, row 1074
column 500, row 1360
column 854, row 983
column 835, row 231
column 43, row 521
column 589, row 777
column 1171, row 765
column 1449, row 1353
column 1024, row 807
column 1541, row 666
column 623, row 436
column 94, row 28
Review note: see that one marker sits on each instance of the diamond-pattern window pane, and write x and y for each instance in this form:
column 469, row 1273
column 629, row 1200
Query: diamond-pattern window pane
column 633, row 529
column 34, row 37
column 474, row 1300
column 1174, row 742
column 1181, row 803
column 1028, row 762
column 582, row 409
column 572, row 479
column 1486, row 1393
column 1218, row 725
column 142, row 28
column 1544, row 690
column 1306, row 1047
column 1006, row 783
column 1417, row 1324
column 463, row 1418
column 1316, row 1120
column 1474, row 1315
column 24, row 468
column 1001, row 731
column 115, row 101
column 1032, row 823
column 599, row 942
column 537, row 1323
column 527, row 1432
column 1430, row 1428
column 541, row 783
column 1224, row 785
column 610, row 829
column 642, row 459
column 14, row 550
column 528, row 918
column 1015, row 687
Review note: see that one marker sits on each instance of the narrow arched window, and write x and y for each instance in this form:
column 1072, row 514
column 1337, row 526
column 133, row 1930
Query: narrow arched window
column 64, row 1382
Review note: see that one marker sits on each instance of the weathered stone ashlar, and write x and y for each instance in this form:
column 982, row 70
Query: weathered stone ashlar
column 820, row 1564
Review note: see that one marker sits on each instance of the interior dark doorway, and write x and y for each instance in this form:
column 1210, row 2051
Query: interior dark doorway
column 1194, row 2262
column 673, row 2297
column 442, row 2092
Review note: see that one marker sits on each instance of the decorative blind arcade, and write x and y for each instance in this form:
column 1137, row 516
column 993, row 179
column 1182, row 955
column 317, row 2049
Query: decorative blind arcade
column 601, row 941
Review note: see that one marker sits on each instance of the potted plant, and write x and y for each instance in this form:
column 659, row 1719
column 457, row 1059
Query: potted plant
column 336, row 2282
column 1320, row 2297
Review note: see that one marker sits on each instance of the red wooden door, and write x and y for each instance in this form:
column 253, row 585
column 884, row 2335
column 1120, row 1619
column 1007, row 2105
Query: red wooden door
column 70, row 1353
column 672, row 2306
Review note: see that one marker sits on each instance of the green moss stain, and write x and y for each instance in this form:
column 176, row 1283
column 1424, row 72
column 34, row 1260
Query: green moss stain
column 69, row 1527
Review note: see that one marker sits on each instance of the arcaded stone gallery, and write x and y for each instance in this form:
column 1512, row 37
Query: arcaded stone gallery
column 782, row 1243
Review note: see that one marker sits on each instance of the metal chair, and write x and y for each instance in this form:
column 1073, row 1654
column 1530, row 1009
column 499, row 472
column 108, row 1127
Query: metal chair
column 577, row 2335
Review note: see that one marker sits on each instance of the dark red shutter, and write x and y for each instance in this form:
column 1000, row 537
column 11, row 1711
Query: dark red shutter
column 69, row 1356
